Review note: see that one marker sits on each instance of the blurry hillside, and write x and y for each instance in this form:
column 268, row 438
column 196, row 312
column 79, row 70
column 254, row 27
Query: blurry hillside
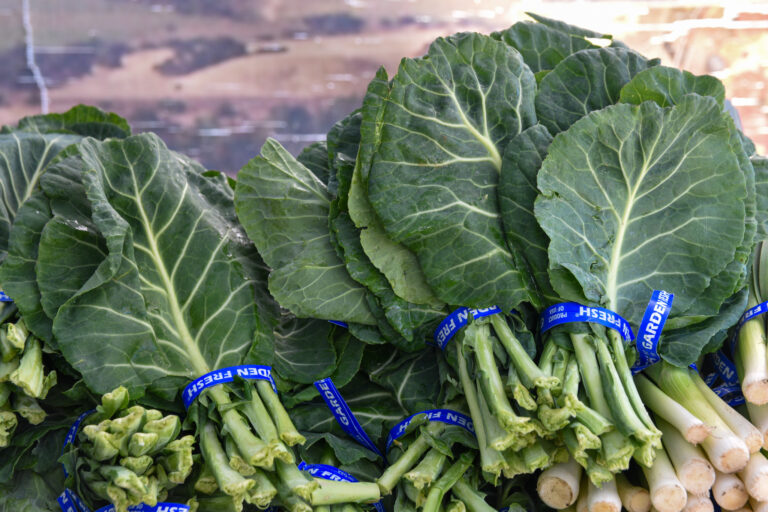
column 215, row 77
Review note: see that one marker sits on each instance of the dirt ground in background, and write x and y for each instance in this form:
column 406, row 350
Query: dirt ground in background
column 314, row 79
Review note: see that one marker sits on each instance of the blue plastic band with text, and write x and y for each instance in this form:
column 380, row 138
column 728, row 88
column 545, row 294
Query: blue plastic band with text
column 246, row 371
column 72, row 434
column 343, row 414
column 650, row 329
column 569, row 312
column 458, row 319
column 725, row 368
column 71, row 502
column 4, row 297
column 160, row 507
column 446, row 416
column 327, row 472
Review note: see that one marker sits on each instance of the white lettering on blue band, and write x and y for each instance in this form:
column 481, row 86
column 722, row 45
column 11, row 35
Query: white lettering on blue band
column 327, row 472
column 442, row 415
column 72, row 435
column 569, row 312
column 648, row 335
column 458, row 319
column 343, row 414
column 246, row 371
column 160, row 507
column 725, row 368
column 70, row 502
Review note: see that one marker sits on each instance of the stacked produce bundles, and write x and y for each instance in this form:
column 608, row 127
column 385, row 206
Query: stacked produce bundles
column 507, row 269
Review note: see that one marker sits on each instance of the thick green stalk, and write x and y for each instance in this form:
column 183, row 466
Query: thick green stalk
column 530, row 374
column 592, row 419
column 630, row 391
column 285, row 427
column 388, row 480
column 490, row 460
column 228, row 480
column 752, row 356
column 590, row 374
column 260, row 419
column 428, row 470
column 447, row 480
column 471, row 498
column 331, row 492
column 692, row 428
column 478, row 336
column 295, row 479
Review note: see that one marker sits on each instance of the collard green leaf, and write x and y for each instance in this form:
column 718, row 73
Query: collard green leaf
column 517, row 194
column 432, row 182
column 567, row 28
column 399, row 265
column 23, row 159
column 172, row 298
column 17, row 273
column 542, row 47
column 760, row 165
column 31, row 492
column 414, row 379
column 346, row 450
column 667, row 86
column 683, row 346
column 585, row 81
column 315, row 158
column 284, row 209
column 304, row 352
column 622, row 202
column 82, row 120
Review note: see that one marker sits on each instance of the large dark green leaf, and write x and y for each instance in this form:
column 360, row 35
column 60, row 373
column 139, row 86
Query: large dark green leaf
column 583, row 82
column 667, row 86
column 414, row 379
column 432, row 182
column 542, row 47
column 80, row 120
column 637, row 198
column 17, row 273
column 172, row 297
column 284, row 209
column 23, row 158
column 304, row 352
column 517, row 194
column 760, row 165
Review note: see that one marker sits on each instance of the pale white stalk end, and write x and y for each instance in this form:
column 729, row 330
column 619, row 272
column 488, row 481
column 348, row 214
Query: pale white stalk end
column 603, row 499
column 558, row 486
column 729, row 492
column 755, row 477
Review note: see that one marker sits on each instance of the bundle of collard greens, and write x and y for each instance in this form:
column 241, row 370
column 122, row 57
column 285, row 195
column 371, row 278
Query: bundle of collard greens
column 541, row 164
column 127, row 261
column 480, row 184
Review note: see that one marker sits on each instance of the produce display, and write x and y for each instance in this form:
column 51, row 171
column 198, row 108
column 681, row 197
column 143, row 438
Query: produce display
column 529, row 272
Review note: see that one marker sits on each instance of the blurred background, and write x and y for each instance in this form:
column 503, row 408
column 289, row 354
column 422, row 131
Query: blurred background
column 216, row 77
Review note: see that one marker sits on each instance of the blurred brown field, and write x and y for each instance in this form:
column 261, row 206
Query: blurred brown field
column 216, row 77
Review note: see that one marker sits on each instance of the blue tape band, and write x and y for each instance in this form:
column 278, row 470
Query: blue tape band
column 160, row 507
column 246, row 371
column 72, row 435
column 4, row 297
column 327, row 472
column 569, row 312
column 458, row 319
column 725, row 368
column 446, row 416
column 648, row 335
column 730, row 393
column 343, row 414
column 710, row 379
column 70, row 502
column 340, row 324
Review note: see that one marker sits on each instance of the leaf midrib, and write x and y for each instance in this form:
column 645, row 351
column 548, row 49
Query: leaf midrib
column 192, row 350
